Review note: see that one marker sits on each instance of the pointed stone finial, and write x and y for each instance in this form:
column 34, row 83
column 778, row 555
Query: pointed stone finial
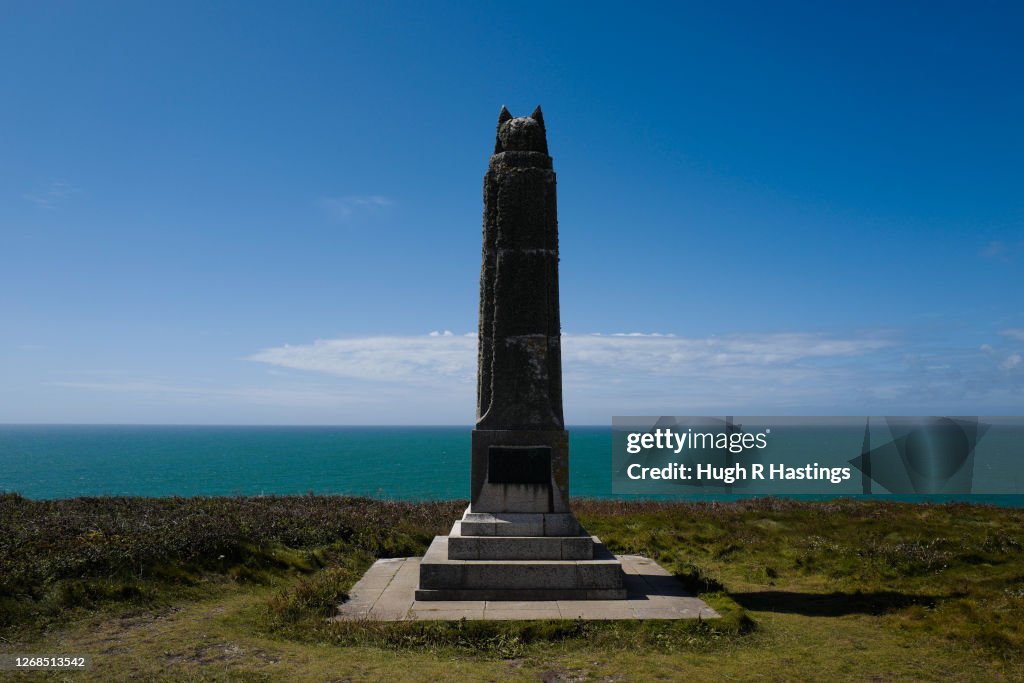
column 504, row 116
column 538, row 116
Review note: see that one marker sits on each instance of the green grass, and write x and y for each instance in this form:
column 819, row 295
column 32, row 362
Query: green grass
column 239, row 588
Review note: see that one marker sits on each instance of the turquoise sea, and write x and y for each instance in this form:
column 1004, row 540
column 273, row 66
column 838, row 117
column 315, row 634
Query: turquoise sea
column 407, row 463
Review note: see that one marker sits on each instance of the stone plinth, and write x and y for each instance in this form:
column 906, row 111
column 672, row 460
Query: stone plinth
column 525, row 471
column 518, row 524
column 519, row 556
column 444, row 578
column 535, row 547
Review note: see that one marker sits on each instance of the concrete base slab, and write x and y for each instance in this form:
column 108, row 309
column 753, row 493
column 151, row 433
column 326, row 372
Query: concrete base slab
column 387, row 593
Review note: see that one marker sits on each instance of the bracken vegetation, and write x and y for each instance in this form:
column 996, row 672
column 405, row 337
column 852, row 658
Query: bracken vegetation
column 61, row 555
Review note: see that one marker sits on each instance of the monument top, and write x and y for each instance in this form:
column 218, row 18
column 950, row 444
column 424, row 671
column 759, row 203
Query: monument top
column 521, row 133
column 519, row 364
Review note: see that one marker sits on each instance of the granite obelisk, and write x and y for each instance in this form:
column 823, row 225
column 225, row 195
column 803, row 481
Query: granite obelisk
column 518, row 540
column 520, row 447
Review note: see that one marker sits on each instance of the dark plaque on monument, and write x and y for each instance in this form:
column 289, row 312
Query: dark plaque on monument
column 518, row 540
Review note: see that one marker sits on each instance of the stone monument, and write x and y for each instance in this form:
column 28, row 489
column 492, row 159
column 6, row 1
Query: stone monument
column 518, row 540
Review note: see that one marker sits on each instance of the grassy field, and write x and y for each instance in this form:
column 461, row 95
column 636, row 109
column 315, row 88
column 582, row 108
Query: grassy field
column 237, row 589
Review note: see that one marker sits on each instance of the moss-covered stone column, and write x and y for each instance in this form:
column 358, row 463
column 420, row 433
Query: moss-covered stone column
column 520, row 448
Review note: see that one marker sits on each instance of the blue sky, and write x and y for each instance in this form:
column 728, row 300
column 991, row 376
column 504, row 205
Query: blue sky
column 259, row 212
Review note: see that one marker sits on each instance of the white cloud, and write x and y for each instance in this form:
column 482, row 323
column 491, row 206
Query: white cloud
column 613, row 371
column 444, row 355
column 343, row 209
column 1014, row 333
column 667, row 354
column 653, row 374
column 53, row 195
column 425, row 359
column 431, row 378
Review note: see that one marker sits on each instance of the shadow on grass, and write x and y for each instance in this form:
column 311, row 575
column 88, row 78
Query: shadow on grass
column 831, row 604
column 645, row 586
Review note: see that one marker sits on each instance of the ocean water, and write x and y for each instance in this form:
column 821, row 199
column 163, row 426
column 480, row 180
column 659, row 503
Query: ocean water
column 404, row 463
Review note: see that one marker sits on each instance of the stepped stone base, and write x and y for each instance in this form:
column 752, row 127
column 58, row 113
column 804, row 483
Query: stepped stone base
column 519, row 524
column 443, row 577
column 579, row 547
